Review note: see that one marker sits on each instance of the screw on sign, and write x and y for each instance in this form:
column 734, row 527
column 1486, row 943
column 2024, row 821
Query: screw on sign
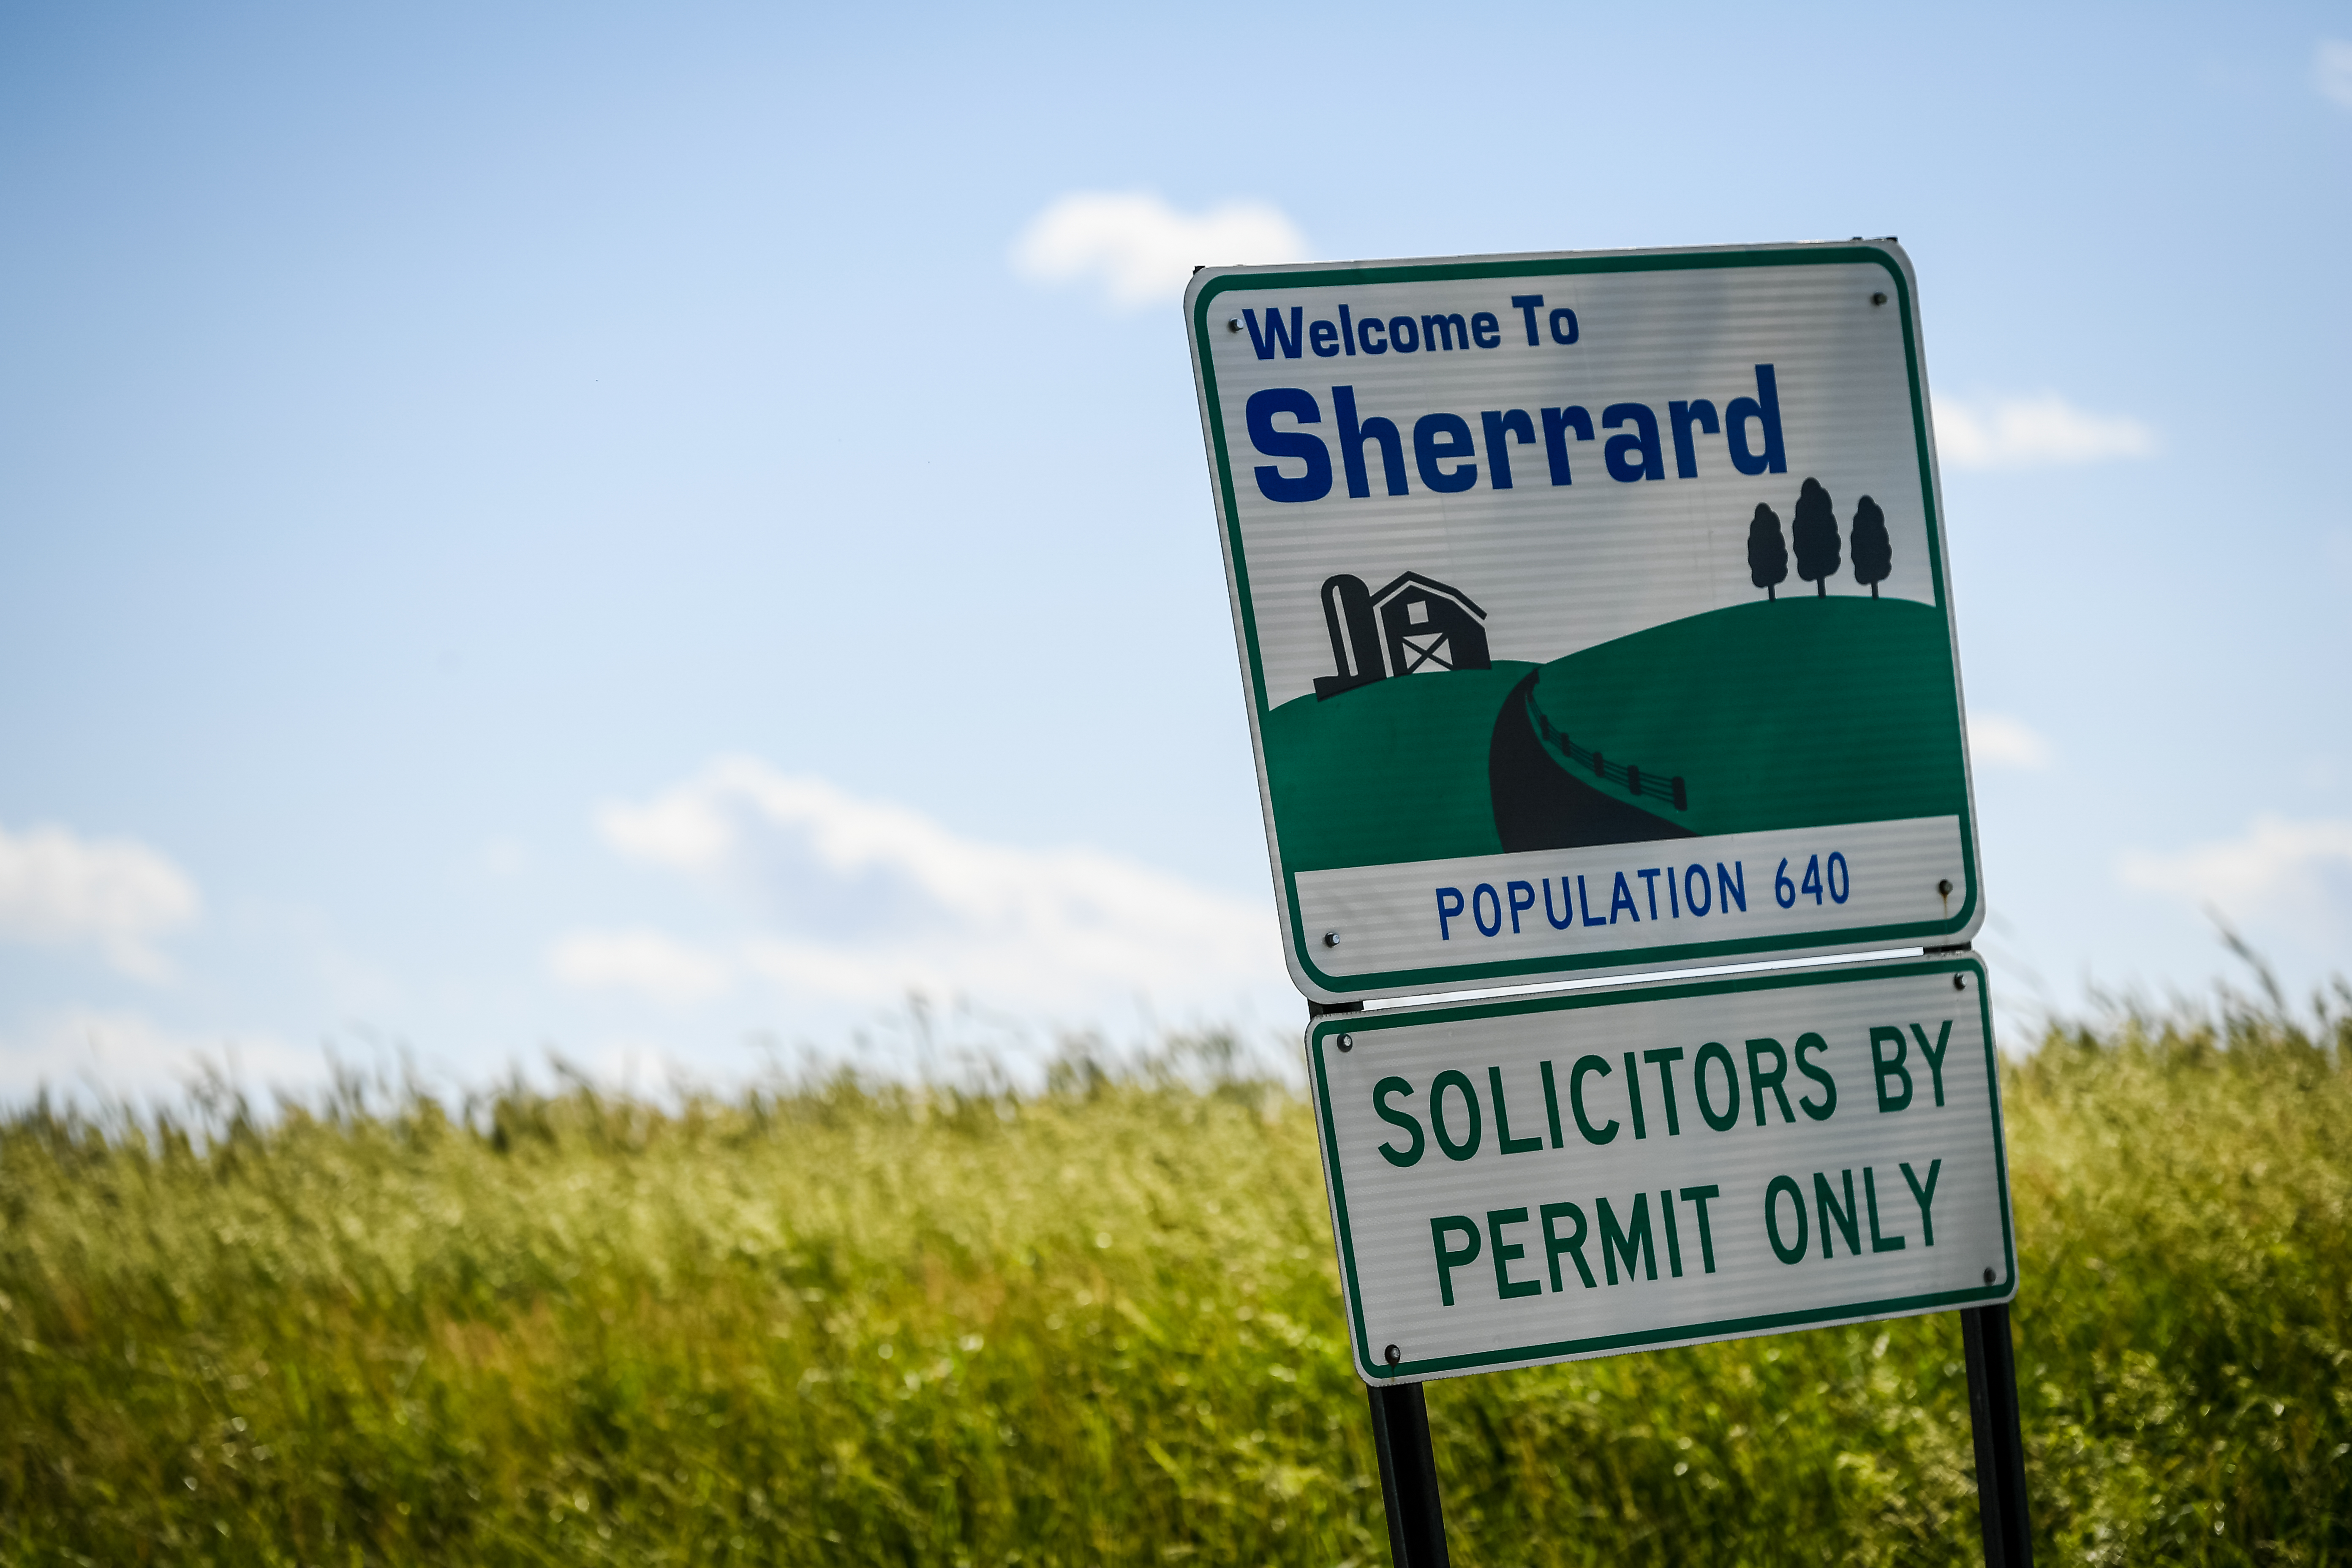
column 1631, row 453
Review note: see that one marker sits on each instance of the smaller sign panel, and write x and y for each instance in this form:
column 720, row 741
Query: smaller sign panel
column 1553, row 1178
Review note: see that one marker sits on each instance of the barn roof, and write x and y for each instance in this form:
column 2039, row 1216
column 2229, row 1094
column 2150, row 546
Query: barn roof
column 1432, row 584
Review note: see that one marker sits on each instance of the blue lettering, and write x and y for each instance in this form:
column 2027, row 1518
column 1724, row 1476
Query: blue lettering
column 1323, row 337
column 1316, row 483
column 1498, row 455
column 1485, row 330
column 1447, row 914
column 1530, row 303
column 1765, row 409
column 1734, row 887
column 1623, row 898
column 1567, row 894
column 1443, row 439
column 1556, row 424
column 1518, row 902
column 1567, row 333
column 1364, row 335
column 1682, row 416
column 1633, row 456
column 1403, row 335
column 1447, row 332
column 1695, row 891
column 1485, row 892
column 1347, row 331
column 1586, row 893
column 1274, row 337
column 1353, row 436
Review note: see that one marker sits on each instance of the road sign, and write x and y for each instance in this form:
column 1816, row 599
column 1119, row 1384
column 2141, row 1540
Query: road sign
column 1593, row 610
column 1552, row 1178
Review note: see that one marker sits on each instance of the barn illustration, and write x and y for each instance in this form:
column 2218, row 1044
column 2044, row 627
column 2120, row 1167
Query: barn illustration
column 1415, row 626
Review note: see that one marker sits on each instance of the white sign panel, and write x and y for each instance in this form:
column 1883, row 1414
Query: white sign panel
column 1552, row 1178
column 1593, row 610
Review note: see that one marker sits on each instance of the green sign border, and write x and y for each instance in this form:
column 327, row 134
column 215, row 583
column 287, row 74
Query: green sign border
column 1374, row 1371
column 1462, row 976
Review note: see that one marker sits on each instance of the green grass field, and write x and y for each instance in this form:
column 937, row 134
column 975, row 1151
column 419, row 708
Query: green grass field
column 1099, row 1325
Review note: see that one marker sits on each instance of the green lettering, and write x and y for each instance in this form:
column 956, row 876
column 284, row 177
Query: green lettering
column 1437, row 1087
column 1884, row 1067
column 1511, row 1145
column 1576, row 1100
column 1806, row 1046
column 1697, row 1197
column 1714, row 1052
column 1870, row 1194
column 1395, row 1118
column 1449, row 1259
column 1554, row 1245
column 1506, row 1254
column 1847, row 1222
column 1665, row 1059
column 1759, row 1080
column 1923, row 1196
column 1630, row 1243
column 1935, row 1054
column 1786, row 1253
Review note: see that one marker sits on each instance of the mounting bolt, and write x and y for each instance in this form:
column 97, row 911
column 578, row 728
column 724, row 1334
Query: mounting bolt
column 1330, row 939
column 1987, row 1280
column 1878, row 299
column 1960, row 982
column 1233, row 323
column 1347, row 1042
column 1394, row 1355
column 1945, row 886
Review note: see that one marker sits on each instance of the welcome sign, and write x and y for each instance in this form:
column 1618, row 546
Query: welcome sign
column 1592, row 609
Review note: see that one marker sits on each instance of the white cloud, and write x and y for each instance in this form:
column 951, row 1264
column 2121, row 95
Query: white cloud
column 58, row 890
column 2041, row 431
column 642, row 960
column 844, row 898
column 2331, row 70
column 2279, row 871
column 1996, row 740
column 1140, row 249
column 76, row 1050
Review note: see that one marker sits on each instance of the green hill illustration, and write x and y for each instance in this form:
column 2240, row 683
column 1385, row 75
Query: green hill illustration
column 1774, row 714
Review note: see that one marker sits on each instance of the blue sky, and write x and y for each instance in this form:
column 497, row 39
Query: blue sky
column 618, row 531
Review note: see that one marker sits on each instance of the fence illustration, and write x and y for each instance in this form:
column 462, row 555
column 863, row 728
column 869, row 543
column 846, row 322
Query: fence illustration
column 1628, row 774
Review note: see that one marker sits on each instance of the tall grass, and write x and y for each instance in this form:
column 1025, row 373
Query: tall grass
column 1099, row 1324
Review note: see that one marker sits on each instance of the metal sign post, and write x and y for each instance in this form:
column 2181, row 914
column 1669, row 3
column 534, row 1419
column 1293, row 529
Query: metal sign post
column 1518, row 551
column 2000, row 1437
column 1408, row 1476
column 1408, row 1460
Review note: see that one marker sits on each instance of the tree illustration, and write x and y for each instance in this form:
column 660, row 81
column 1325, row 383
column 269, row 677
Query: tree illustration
column 1815, row 532
column 1768, row 556
column 1874, row 556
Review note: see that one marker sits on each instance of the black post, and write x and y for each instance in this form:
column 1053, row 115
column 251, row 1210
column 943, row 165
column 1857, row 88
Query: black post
column 1400, row 1434
column 2000, row 1442
column 1408, row 1476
